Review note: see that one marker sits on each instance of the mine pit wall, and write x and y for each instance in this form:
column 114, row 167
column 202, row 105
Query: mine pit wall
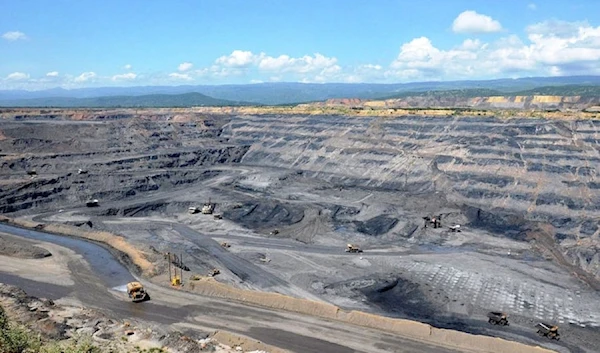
column 210, row 287
column 125, row 154
column 536, row 169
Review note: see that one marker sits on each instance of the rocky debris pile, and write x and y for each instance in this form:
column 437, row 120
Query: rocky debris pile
column 57, row 323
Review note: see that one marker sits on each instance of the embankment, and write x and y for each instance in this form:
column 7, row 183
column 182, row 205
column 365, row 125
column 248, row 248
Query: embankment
column 135, row 257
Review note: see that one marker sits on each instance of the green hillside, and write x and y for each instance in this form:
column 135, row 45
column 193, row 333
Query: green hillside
column 150, row 101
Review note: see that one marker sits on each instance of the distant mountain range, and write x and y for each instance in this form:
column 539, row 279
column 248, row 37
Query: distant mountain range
column 565, row 90
column 284, row 93
column 149, row 100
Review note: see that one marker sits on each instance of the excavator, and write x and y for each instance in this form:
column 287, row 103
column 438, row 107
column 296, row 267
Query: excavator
column 136, row 292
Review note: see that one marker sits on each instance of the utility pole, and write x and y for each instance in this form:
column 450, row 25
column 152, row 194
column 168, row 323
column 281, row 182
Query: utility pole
column 169, row 263
column 181, row 263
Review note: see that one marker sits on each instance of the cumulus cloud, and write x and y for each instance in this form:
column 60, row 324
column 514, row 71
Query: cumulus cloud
column 185, row 66
column 124, row 77
column 180, row 77
column 14, row 35
column 17, row 76
column 315, row 68
column 547, row 48
column 237, row 58
column 85, row 77
column 473, row 22
column 304, row 64
column 550, row 48
column 128, row 67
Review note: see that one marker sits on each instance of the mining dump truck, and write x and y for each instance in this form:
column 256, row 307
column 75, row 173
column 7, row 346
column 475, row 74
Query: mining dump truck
column 136, row 292
column 225, row 244
column 455, row 228
column 353, row 248
column 214, row 272
column 497, row 318
column 92, row 203
column 548, row 330
column 193, row 210
column 208, row 208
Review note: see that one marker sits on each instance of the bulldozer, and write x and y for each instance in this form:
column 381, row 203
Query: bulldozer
column 214, row 272
column 353, row 248
column 136, row 292
column 193, row 210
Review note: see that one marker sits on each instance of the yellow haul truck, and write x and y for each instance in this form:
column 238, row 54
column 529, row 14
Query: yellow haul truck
column 136, row 291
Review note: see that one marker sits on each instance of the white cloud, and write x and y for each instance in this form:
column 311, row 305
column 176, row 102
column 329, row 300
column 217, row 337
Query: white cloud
column 180, row 77
column 128, row 67
column 304, row 64
column 124, row 77
column 185, row 66
column 17, row 76
column 562, row 43
column 473, row 22
column 550, row 48
column 14, row 35
column 85, row 77
column 532, row 6
column 471, row 44
column 315, row 68
column 237, row 58
column 371, row 67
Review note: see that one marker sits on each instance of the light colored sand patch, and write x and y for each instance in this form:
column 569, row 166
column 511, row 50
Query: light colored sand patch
column 51, row 269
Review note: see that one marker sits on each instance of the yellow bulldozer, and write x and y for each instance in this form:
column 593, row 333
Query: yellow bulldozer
column 136, row 292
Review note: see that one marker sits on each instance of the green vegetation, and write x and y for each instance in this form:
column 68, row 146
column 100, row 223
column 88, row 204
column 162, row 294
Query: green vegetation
column 566, row 90
column 15, row 338
column 453, row 93
column 147, row 101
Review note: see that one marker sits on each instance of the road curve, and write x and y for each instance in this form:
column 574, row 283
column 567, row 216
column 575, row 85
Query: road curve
column 190, row 312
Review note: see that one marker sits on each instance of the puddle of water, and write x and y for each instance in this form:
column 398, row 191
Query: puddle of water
column 122, row 288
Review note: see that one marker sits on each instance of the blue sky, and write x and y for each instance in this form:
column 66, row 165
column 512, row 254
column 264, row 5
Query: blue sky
column 72, row 43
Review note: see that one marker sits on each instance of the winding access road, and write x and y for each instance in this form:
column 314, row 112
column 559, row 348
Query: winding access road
column 96, row 280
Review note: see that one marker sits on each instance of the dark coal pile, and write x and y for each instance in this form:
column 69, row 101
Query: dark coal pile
column 376, row 225
column 265, row 214
column 400, row 298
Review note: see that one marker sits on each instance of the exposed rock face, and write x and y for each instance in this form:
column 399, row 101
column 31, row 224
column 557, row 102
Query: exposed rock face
column 118, row 158
column 494, row 102
column 509, row 172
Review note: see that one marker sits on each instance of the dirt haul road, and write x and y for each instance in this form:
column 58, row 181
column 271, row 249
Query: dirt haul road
column 191, row 313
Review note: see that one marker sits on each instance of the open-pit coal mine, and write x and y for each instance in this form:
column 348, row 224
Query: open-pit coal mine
column 289, row 193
